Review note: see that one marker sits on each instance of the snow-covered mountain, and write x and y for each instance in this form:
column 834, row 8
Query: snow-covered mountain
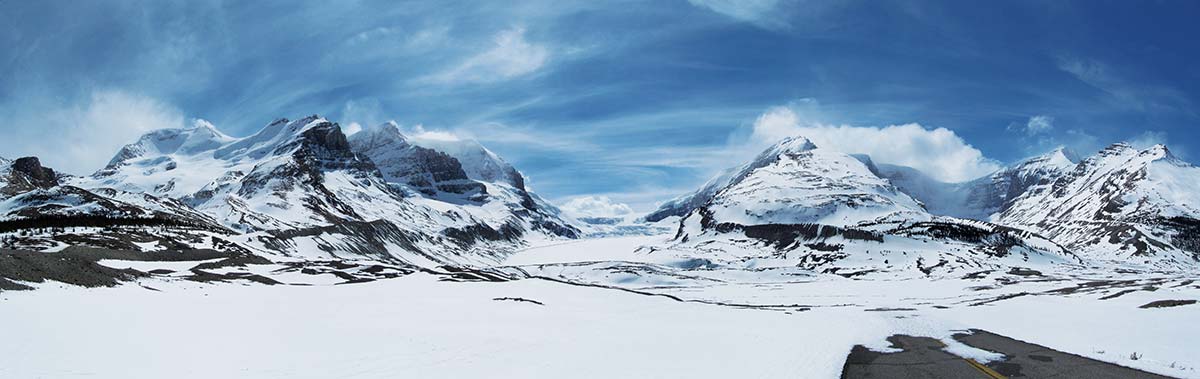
column 289, row 174
column 799, row 205
column 30, row 191
column 1122, row 203
column 37, row 206
column 167, row 162
column 795, row 182
column 993, row 194
column 302, row 189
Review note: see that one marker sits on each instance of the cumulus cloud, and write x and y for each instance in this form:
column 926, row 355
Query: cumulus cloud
column 596, row 206
column 81, row 138
column 938, row 152
column 510, row 56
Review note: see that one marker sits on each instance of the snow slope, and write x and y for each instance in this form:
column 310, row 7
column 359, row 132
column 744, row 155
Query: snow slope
column 412, row 327
column 167, row 162
column 1057, row 307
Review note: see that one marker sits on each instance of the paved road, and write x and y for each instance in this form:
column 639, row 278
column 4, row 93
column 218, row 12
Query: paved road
column 923, row 357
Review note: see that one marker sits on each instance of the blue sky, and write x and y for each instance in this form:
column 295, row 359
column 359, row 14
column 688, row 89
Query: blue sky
column 634, row 100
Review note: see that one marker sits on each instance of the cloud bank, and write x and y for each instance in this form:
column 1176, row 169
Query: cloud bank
column 596, row 206
column 79, row 139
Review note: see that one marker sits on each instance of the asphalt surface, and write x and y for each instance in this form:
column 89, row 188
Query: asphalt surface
column 924, row 357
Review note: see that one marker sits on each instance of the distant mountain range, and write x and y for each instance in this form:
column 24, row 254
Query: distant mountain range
column 1121, row 204
column 301, row 190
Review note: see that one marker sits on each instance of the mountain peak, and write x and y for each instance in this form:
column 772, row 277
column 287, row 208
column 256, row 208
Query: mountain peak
column 1160, row 151
column 793, row 182
column 277, row 134
column 1117, row 149
column 200, row 123
column 390, row 128
column 384, row 136
column 201, row 136
column 38, row 176
column 1064, row 153
column 794, row 144
column 1060, row 158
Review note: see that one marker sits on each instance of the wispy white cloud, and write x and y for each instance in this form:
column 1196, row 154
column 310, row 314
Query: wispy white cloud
column 1153, row 137
column 398, row 39
column 1125, row 93
column 763, row 13
column 351, row 128
column 366, row 112
column 510, row 56
column 1039, row 124
column 938, row 152
column 1149, row 138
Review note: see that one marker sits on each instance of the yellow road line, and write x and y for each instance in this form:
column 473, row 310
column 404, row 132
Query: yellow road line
column 987, row 371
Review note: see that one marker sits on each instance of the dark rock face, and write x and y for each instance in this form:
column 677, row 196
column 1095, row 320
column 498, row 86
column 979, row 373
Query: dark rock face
column 425, row 170
column 440, row 166
column 675, row 209
column 995, row 192
column 431, row 170
column 1187, row 234
column 326, row 146
column 38, row 176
